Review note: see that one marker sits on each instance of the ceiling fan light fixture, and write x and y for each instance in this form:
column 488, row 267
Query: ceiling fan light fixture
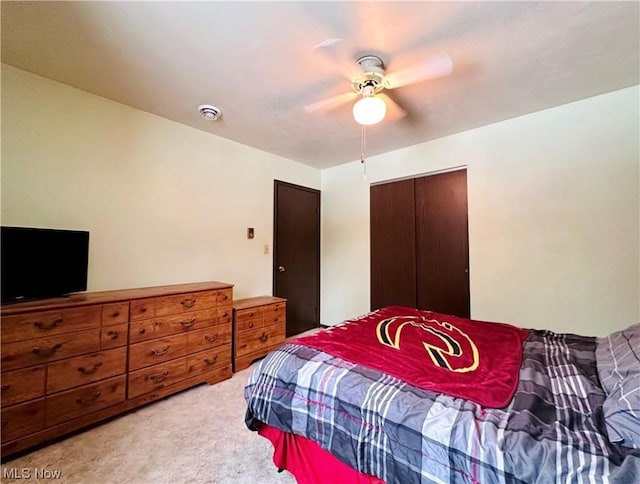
column 369, row 110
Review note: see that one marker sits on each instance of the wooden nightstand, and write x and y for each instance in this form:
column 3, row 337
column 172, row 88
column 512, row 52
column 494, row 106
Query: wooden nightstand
column 259, row 326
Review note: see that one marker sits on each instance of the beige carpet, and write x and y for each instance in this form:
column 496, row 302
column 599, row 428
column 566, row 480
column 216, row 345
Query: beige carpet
column 197, row 436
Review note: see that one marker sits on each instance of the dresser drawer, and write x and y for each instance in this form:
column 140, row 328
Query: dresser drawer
column 43, row 350
column 156, row 377
column 85, row 369
column 157, row 351
column 186, row 302
column 113, row 336
column 224, row 297
column 224, row 315
column 208, row 360
column 83, row 400
column 257, row 339
column 142, row 309
column 161, row 327
column 48, row 323
column 22, row 385
column 208, row 338
column 116, row 313
column 23, row 419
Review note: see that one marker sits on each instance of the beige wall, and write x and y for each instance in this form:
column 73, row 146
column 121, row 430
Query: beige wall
column 554, row 210
column 164, row 203
column 553, row 203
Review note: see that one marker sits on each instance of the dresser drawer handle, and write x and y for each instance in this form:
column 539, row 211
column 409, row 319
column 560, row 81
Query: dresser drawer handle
column 47, row 326
column 45, row 353
column 116, row 314
column 211, row 361
column 89, row 371
column 188, row 324
column 264, row 338
column 159, row 378
column 251, row 325
column 142, row 331
column 211, row 339
column 225, row 314
column 113, row 335
column 89, row 401
column 225, row 297
column 163, row 351
column 188, row 303
column 5, row 388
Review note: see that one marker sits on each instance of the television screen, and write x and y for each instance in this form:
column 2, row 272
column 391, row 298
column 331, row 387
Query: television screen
column 40, row 263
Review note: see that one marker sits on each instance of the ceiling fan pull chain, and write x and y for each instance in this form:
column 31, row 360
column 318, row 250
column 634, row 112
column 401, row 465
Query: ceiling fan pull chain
column 362, row 159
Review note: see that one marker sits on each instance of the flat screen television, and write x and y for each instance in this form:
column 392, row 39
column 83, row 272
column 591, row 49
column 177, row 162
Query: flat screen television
column 41, row 263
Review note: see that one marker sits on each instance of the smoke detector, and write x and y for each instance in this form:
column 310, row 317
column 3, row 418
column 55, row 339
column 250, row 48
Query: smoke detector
column 209, row 112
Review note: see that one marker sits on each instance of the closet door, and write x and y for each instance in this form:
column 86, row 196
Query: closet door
column 393, row 256
column 442, row 243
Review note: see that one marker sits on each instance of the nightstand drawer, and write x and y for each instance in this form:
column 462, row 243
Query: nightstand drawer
column 248, row 325
column 274, row 318
column 255, row 340
column 22, row 385
column 82, row 370
column 247, row 314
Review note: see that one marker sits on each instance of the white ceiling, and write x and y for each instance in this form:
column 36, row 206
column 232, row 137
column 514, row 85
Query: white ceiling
column 256, row 61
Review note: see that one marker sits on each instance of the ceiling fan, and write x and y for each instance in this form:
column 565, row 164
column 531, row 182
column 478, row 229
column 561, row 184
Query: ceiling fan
column 369, row 79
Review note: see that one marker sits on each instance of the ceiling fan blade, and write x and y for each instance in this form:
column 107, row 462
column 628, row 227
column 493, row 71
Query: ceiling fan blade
column 437, row 66
column 334, row 51
column 332, row 102
column 394, row 112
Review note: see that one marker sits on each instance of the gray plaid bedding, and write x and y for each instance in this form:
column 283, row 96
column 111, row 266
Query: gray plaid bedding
column 553, row 430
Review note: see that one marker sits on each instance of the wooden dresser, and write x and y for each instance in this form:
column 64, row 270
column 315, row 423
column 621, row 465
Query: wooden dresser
column 70, row 362
column 259, row 326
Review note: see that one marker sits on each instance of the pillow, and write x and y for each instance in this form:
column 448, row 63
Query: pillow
column 618, row 361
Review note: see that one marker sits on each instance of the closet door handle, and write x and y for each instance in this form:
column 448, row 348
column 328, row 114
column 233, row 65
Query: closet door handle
column 281, row 269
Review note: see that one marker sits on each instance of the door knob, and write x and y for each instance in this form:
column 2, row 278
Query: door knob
column 281, row 269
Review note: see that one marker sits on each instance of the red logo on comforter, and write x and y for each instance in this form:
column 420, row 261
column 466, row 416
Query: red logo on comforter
column 475, row 360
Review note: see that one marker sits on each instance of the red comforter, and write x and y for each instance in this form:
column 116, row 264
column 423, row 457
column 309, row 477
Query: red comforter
column 475, row 360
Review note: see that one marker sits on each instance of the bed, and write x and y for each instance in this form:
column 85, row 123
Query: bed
column 449, row 409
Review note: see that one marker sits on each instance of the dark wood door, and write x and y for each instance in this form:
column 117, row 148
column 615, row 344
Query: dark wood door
column 296, row 254
column 442, row 243
column 393, row 235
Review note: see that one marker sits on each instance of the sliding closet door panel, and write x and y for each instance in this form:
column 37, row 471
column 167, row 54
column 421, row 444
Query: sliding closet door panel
column 393, row 231
column 442, row 243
